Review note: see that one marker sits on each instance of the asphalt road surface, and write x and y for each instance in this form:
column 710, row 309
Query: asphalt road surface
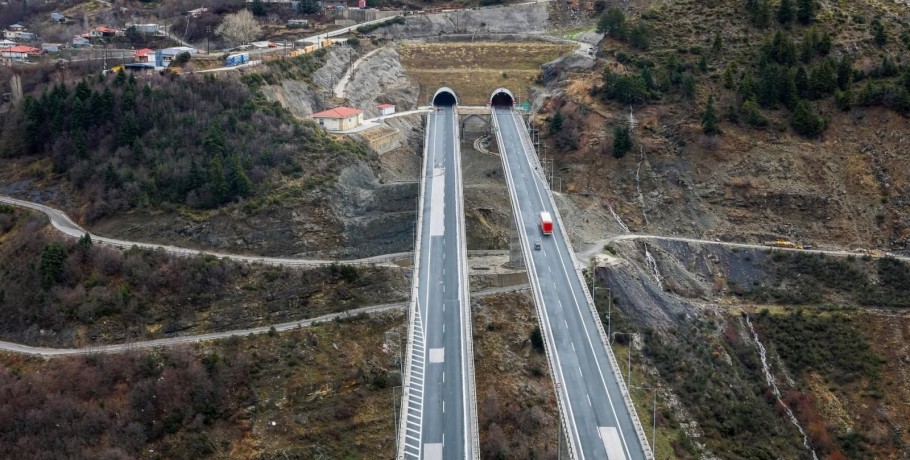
column 439, row 404
column 596, row 418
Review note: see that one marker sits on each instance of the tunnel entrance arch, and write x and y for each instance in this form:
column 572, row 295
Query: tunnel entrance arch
column 502, row 97
column 445, row 97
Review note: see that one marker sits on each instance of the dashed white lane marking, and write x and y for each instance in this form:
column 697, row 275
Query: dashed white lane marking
column 437, row 355
column 432, row 451
column 612, row 443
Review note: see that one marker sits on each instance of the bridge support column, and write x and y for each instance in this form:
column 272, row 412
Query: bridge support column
column 516, row 258
column 563, row 453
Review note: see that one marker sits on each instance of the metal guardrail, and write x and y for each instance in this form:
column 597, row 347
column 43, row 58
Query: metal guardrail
column 614, row 365
column 467, row 324
column 406, row 378
column 538, row 295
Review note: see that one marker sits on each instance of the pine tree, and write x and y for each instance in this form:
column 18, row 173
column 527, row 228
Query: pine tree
column 688, row 86
column 801, row 79
column 806, row 122
column 556, row 123
column 613, row 23
column 760, row 13
column 128, row 101
column 107, row 104
column 709, row 119
column 753, row 115
column 129, row 130
column 879, row 33
column 647, row 76
column 769, row 87
column 785, row 12
column 217, row 182
column 85, row 242
column 718, row 44
column 238, row 182
column 111, row 178
column 844, row 72
column 195, row 178
column 843, row 99
column 805, row 11
column 120, row 79
column 640, row 36
column 83, row 91
column 53, row 257
column 730, row 75
column 788, row 93
column 622, row 141
column 214, row 141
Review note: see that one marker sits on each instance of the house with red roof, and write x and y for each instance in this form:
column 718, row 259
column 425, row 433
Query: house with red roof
column 339, row 118
column 19, row 53
column 385, row 109
column 144, row 55
column 104, row 31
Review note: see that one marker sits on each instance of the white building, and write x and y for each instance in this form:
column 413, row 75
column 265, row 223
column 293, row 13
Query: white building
column 339, row 118
column 385, row 109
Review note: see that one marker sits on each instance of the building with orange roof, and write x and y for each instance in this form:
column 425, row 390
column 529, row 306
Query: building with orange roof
column 339, row 118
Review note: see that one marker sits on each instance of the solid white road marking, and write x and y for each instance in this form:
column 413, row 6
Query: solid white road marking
column 437, row 199
column 437, row 355
column 612, row 443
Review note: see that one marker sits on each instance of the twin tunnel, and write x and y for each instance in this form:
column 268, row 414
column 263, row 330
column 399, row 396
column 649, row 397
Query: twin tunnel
column 501, row 97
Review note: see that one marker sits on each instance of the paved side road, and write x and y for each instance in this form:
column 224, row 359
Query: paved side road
column 64, row 224
column 597, row 247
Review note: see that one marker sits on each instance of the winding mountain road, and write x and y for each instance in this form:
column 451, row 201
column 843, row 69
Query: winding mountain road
column 171, row 341
column 65, row 225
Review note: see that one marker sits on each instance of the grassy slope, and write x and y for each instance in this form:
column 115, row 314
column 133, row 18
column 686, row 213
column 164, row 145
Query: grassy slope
column 474, row 70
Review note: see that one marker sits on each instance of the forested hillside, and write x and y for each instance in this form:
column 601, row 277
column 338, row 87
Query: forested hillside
column 57, row 291
column 123, row 142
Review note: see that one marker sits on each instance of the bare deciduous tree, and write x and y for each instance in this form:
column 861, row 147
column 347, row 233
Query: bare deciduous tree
column 240, row 27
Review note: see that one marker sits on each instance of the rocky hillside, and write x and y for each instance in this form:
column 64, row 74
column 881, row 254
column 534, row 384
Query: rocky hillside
column 756, row 173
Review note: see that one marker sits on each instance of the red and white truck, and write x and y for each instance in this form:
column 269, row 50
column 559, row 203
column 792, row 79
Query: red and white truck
column 546, row 223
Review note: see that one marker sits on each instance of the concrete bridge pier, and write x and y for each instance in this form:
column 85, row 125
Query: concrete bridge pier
column 516, row 257
column 563, row 452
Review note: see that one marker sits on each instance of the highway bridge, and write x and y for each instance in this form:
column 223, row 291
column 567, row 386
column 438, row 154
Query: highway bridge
column 438, row 416
column 597, row 415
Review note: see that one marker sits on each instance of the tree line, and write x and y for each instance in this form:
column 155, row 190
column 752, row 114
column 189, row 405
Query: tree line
column 123, row 142
column 793, row 69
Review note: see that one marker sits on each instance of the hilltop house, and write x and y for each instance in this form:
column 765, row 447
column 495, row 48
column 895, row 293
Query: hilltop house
column 385, row 109
column 339, row 118
column 19, row 53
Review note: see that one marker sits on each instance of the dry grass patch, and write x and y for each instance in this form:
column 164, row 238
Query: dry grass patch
column 474, row 70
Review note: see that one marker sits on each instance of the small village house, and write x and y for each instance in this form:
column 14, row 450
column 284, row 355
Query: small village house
column 385, row 109
column 19, row 53
column 339, row 118
column 144, row 55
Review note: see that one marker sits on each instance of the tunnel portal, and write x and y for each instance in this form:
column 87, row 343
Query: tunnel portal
column 502, row 97
column 445, row 97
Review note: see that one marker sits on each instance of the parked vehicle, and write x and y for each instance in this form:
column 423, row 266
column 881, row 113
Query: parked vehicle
column 237, row 59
